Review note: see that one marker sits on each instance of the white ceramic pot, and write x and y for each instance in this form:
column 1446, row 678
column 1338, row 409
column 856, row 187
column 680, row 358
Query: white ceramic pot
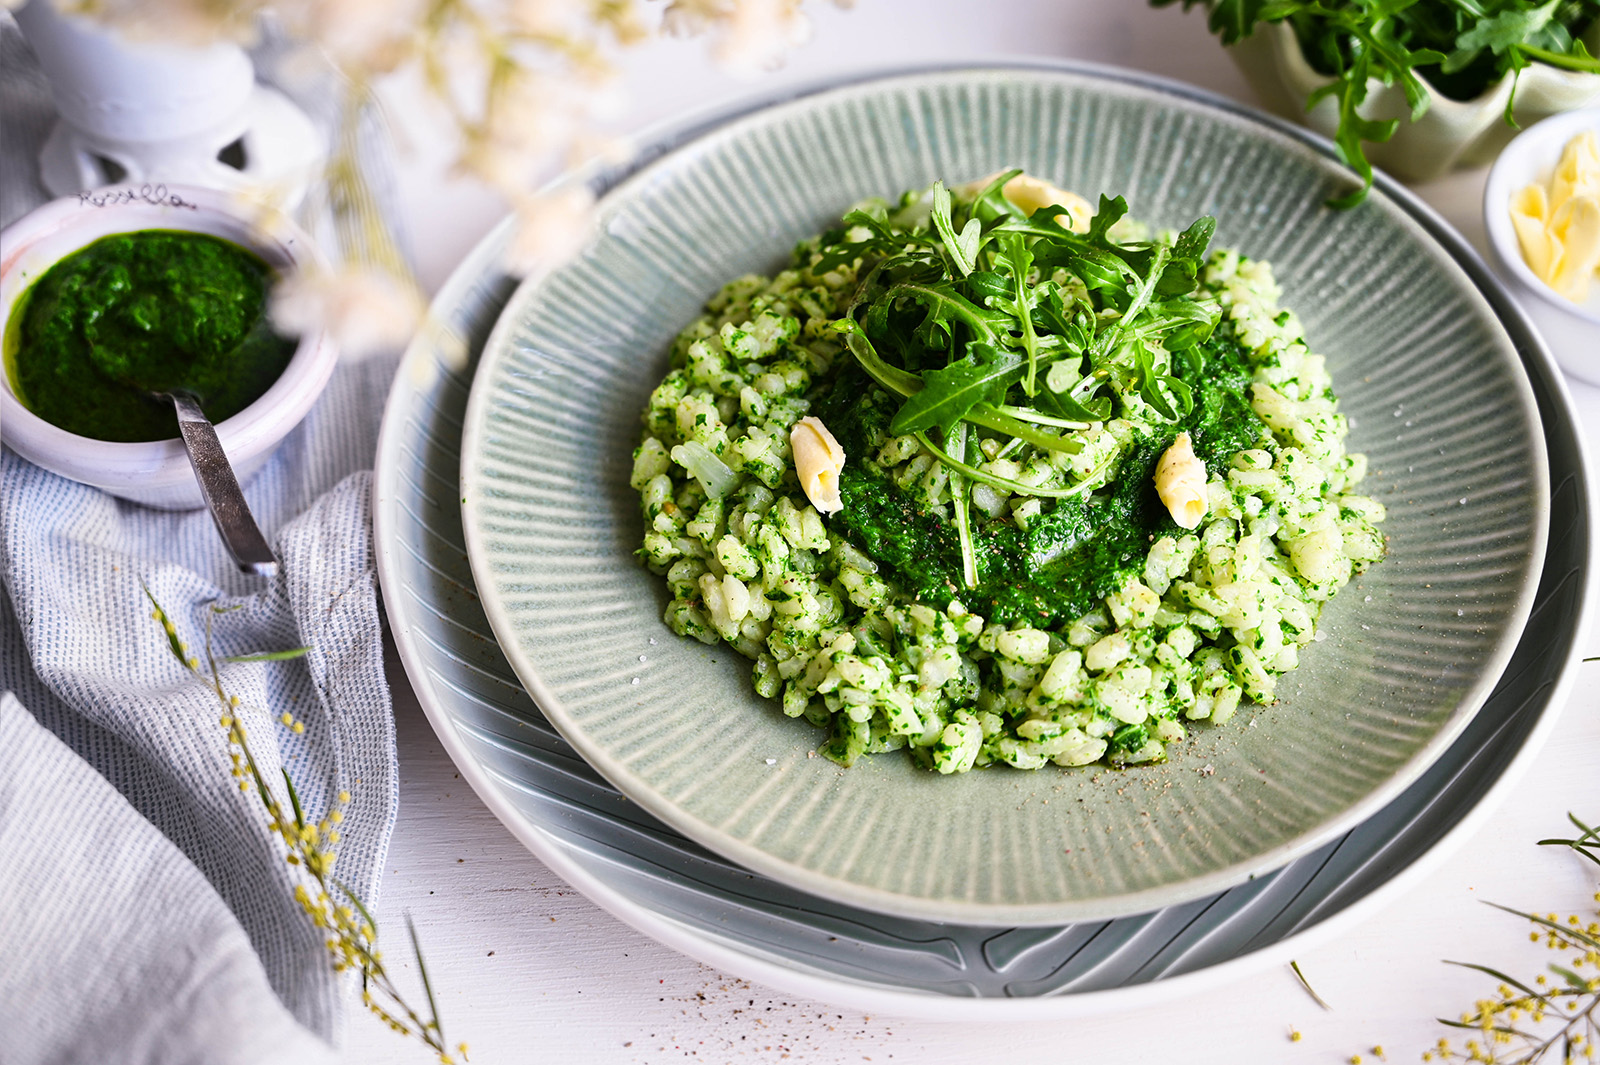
column 148, row 110
column 143, row 91
column 1453, row 133
column 1571, row 329
column 156, row 473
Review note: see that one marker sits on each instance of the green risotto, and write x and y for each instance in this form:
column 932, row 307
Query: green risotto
column 134, row 313
column 992, row 477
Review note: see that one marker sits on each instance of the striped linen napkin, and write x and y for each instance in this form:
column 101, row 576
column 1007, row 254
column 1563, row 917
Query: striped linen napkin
column 146, row 912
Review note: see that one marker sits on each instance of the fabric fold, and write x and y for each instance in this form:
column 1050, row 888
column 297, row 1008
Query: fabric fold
column 108, row 916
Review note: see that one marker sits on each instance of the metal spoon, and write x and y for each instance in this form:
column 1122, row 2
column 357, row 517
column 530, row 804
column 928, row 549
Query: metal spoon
column 240, row 533
column 218, row 485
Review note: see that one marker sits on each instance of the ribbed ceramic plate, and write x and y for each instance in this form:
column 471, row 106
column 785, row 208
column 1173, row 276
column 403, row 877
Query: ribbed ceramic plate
column 674, row 890
column 1427, row 374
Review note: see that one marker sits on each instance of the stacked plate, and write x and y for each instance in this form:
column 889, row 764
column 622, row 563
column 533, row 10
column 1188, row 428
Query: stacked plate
column 880, row 886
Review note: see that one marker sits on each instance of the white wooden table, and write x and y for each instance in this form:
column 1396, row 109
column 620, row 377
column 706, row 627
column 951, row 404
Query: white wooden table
column 528, row 970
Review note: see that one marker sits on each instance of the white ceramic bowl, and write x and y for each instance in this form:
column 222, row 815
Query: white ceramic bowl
column 156, row 473
column 1571, row 329
column 1412, row 648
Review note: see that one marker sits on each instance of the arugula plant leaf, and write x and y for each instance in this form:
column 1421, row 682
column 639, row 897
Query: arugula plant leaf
column 956, row 440
column 982, row 376
column 892, row 378
column 946, row 305
column 1461, row 48
column 1509, row 28
column 991, row 203
column 1112, row 210
column 1072, row 323
column 1015, row 254
column 1149, row 389
column 986, row 285
column 882, row 242
column 1020, row 328
column 1180, row 324
column 962, row 247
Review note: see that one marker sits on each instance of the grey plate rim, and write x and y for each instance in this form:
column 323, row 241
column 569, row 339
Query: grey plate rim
column 421, row 360
column 639, row 791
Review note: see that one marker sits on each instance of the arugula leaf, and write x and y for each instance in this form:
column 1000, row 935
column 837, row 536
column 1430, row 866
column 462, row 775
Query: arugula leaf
column 957, row 342
column 963, row 246
column 1083, row 487
column 1188, row 258
column 959, row 498
column 1073, row 324
column 1082, row 397
column 945, row 304
column 1398, row 61
column 892, row 378
column 883, row 242
column 1353, row 130
column 950, row 392
column 1111, row 211
column 1508, row 29
column 1072, row 407
column 1014, row 252
column 986, row 285
column 1578, row 59
column 1003, row 420
column 1180, row 324
column 1099, row 270
column 991, row 203
column 1149, row 389
column 1181, row 392
column 1111, row 340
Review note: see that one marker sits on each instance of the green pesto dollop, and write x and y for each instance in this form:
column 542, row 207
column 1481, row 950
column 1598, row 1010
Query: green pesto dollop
column 1070, row 557
column 132, row 313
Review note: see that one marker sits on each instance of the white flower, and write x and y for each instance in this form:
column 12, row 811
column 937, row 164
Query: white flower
column 753, row 35
column 364, row 311
column 547, row 18
column 550, row 229
column 186, row 23
column 369, row 36
column 530, row 119
column 759, row 33
column 602, row 149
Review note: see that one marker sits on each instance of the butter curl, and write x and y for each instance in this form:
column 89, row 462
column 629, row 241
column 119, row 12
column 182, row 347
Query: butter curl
column 1181, row 483
column 818, row 460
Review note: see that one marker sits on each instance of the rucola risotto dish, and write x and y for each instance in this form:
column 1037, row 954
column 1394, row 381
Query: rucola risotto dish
column 991, row 475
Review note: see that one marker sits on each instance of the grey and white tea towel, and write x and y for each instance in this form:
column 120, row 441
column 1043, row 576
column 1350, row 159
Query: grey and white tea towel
column 146, row 912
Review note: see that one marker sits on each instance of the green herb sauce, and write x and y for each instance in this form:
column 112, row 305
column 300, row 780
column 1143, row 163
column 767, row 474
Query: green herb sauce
column 1072, row 555
column 156, row 310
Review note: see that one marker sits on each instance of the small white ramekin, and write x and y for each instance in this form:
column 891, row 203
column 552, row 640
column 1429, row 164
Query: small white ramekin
column 1571, row 329
column 157, row 473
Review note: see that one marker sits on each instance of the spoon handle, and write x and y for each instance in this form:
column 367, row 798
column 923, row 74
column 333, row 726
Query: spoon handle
column 220, row 488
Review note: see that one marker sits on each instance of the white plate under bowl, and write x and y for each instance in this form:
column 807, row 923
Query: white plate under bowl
column 669, row 888
column 1428, row 375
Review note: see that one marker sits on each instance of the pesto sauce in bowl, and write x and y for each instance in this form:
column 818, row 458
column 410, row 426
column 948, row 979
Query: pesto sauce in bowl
column 131, row 313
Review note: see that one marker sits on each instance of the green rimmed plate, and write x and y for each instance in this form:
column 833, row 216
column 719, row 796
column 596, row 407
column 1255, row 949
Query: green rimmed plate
column 1427, row 374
